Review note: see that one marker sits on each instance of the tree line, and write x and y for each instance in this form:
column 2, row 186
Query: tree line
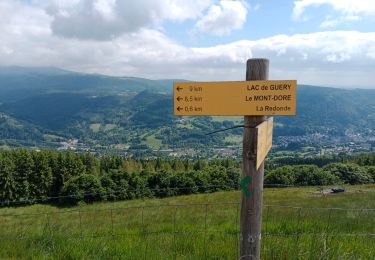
column 67, row 178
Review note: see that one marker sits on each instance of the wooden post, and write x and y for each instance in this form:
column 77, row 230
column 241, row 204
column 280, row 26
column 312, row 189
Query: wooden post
column 252, row 179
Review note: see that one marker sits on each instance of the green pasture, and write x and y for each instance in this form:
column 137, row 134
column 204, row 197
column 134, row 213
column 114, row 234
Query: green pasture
column 297, row 224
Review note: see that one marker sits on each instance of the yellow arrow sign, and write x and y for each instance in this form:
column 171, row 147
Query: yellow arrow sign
column 263, row 97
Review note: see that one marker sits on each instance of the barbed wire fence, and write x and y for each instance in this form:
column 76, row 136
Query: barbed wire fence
column 208, row 222
column 193, row 189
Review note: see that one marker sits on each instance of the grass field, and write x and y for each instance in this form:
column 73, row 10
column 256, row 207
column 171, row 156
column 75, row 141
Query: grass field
column 235, row 139
column 152, row 142
column 95, row 127
column 296, row 225
column 234, row 119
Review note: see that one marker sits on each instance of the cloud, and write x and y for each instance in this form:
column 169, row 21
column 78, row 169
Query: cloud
column 346, row 7
column 108, row 19
column 345, row 58
column 221, row 19
column 329, row 22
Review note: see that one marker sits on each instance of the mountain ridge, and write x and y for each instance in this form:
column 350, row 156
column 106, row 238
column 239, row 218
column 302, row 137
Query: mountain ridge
column 106, row 112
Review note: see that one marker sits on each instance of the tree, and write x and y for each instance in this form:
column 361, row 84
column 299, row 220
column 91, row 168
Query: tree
column 90, row 162
column 120, row 178
column 188, row 165
column 70, row 166
column 227, row 163
column 177, row 165
column 218, row 178
column 181, row 184
column 108, row 163
column 41, row 181
column 7, row 181
column 85, row 188
column 199, row 165
column 371, row 171
column 160, row 183
column 53, row 162
column 282, row 175
column 234, row 177
column 138, row 185
column 349, row 173
column 312, row 175
column 109, row 187
column 24, row 166
column 201, row 180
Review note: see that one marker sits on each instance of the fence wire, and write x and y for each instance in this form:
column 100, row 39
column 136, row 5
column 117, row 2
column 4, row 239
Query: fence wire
column 193, row 189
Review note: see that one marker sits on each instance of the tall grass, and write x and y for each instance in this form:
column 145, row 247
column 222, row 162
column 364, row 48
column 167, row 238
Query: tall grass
column 296, row 225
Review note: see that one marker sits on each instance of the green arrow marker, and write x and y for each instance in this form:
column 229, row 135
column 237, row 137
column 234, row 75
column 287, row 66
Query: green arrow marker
column 244, row 184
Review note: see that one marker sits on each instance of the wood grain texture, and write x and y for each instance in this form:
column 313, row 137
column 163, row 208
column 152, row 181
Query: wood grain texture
column 251, row 206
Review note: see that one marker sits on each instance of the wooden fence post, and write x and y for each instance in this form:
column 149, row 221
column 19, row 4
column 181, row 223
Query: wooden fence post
column 252, row 178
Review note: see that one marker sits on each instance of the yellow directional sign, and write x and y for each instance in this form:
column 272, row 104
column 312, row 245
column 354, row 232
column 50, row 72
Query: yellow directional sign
column 264, row 140
column 263, row 97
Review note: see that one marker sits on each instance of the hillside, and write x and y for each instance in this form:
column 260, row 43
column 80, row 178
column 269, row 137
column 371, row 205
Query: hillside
column 296, row 225
column 135, row 115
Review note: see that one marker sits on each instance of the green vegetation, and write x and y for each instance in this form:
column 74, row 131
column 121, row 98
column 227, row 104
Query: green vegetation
column 152, row 142
column 194, row 227
column 234, row 119
column 32, row 176
column 233, row 139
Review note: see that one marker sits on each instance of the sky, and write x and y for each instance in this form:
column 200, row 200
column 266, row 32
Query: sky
column 317, row 42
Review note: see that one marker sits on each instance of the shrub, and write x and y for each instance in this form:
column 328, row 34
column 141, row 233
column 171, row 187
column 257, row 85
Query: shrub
column 282, row 175
column 371, row 171
column 182, row 184
column 160, row 183
column 349, row 173
column 121, row 184
column 312, row 175
column 85, row 188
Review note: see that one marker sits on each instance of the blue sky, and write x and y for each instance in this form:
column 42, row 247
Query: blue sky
column 319, row 42
column 269, row 18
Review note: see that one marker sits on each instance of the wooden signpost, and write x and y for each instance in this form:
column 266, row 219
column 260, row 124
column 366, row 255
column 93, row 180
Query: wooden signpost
column 254, row 98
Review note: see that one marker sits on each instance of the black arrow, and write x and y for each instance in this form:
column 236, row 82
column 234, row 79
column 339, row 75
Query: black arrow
column 179, row 98
column 179, row 109
column 179, row 88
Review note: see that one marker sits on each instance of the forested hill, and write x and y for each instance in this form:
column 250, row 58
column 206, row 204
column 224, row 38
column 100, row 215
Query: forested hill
column 47, row 107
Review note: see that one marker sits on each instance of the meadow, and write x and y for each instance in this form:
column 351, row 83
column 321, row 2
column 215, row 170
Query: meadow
column 297, row 224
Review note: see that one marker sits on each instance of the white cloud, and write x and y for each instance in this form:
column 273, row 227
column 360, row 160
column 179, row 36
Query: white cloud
column 329, row 23
column 336, row 57
column 221, row 19
column 108, row 19
column 346, row 7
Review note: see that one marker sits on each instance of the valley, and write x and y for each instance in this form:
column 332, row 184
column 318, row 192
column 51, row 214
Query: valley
column 134, row 117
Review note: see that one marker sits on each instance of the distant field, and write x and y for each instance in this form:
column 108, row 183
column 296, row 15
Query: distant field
column 236, row 139
column 109, row 127
column 235, row 119
column 152, row 142
column 95, row 127
column 296, row 225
